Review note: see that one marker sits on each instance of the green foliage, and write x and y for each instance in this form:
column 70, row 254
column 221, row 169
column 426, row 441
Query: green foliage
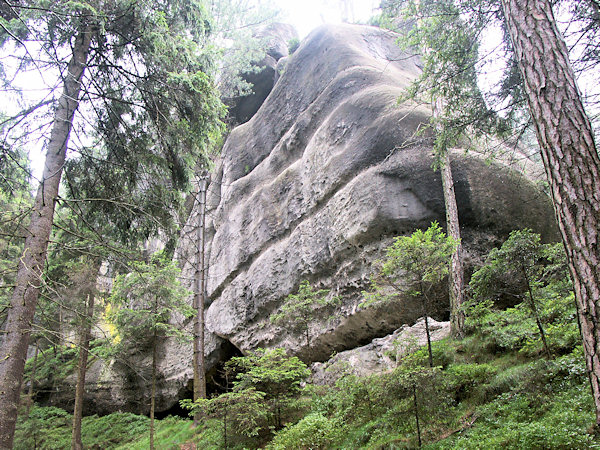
column 542, row 405
column 15, row 201
column 150, row 115
column 293, row 45
column 240, row 411
column 413, row 265
column 522, row 258
column 46, row 429
column 536, row 275
column 315, row 431
column 510, row 401
column 269, row 371
column 442, row 355
column 301, row 309
column 143, row 301
column 275, row 374
column 236, row 32
column 50, row 428
column 53, row 364
column 265, row 391
column 446, row 37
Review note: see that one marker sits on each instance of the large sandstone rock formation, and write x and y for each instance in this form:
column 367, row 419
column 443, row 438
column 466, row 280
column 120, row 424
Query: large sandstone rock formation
column 318, row 182
column 314, row 187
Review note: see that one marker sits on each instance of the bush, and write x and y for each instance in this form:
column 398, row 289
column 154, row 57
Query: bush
column 443, row 355
column 45, row 428
column 314, row 431
column 465, row 379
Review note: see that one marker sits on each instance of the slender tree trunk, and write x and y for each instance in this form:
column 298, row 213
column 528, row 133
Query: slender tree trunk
column 61, row 332
column 153, row 390
column 225, row 427
column 32, row 379
column 84, row 348
column 426, row 316
column 31, row 263
column 416, row 407
column 570, row 157
column 536, row 316
column 307, row 333
column 456, row 275
column 428, row 340
column 199, row 364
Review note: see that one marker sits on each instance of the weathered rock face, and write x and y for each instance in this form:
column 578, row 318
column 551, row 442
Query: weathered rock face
column 315, row 186
column 380, row 355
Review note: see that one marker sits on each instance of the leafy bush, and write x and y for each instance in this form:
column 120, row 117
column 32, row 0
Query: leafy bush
column 293, row 45
column 441, row 351
column 45, row 428
column 315, row 431
column 465, row 379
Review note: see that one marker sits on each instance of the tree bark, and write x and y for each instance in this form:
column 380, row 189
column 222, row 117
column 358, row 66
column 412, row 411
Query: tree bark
column 426, row 316
column 84, row 348
column 456, row 275
column 570, row 158
column 31, row 263
column 199, row 364
column 416, row 411
column 536, row 316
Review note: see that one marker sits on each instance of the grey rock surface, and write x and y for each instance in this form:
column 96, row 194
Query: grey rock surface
column 381, row 354
column 318, row 182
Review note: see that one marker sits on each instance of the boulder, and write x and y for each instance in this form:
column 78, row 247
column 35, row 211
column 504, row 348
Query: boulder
column 381, row 355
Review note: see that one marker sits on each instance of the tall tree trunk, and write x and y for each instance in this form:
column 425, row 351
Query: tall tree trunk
column 570, row 158
column 426, row 316
column 536, row 316
column 456, row 275
column 31, row 264
column 84, row 348
column 416, row 411
column 199, row 364
column 428, row 334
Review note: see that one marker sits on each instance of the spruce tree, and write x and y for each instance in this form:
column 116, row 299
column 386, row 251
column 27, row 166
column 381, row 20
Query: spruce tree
column 140, row 74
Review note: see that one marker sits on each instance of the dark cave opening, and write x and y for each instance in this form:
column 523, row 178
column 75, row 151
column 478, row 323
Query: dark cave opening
column 215, row 382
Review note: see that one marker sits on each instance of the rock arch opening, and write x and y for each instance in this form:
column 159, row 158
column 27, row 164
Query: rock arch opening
column 215, row 382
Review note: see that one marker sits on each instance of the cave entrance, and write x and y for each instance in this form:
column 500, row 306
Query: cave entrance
column 215, row 378
column 215, row 382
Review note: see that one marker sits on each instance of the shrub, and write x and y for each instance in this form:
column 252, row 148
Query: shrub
column 314, row 431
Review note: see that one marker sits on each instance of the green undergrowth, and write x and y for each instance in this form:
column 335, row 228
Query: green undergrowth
column 496, row 388
column 49, row 428
column 470, row 401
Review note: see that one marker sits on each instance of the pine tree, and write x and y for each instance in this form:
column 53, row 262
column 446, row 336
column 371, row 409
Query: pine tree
column 413, row 266
column 144, row 76
column 569, row 154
